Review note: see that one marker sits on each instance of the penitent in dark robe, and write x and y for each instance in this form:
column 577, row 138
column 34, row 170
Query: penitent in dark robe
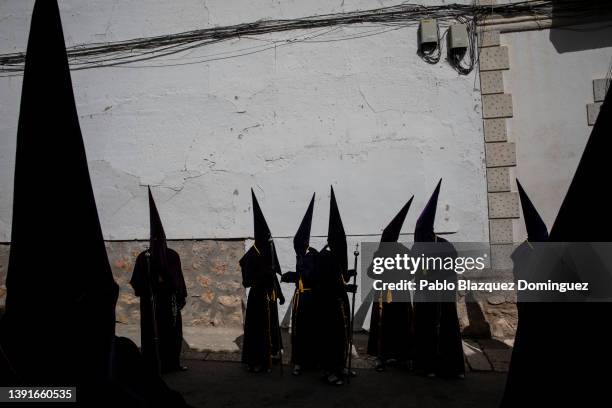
column 438, row 345
column 332, row 299
column 391, row 331
column 305, row 328
column 262, row 341
column 523, row 376
column 573, row 334
column 60, row 306
column 159, row 283
column 145, row 388
column 59, row 325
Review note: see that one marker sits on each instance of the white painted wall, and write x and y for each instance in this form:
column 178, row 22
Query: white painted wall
column 366, row 115
column 550, row 78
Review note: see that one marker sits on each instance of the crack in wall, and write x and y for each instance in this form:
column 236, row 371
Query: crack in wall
column 207, row 11
column 372, row 108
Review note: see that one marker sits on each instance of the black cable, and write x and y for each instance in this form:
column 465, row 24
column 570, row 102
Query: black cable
column 129, row 52
column 432, row 53
column 456, row 57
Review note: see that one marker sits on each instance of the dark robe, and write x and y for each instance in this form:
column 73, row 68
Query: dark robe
column 334, row 312
column 304, row 317
column 570, row 336
column 391, row 322
column 579, row 359
column 526, row 364
column 169, row 293
column 438, row 345
column 261, row 326
column 59, row 322
column 135, row 384
column 59, row 325
column 553, row 348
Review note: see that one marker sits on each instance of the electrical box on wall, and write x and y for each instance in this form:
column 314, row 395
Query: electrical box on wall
column 428, row 33
column 458, row 37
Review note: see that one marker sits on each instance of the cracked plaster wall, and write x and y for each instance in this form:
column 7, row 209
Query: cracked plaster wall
column 550, row 126
column 366, row 115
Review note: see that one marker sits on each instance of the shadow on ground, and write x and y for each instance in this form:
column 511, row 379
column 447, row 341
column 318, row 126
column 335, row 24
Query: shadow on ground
column 227, row 384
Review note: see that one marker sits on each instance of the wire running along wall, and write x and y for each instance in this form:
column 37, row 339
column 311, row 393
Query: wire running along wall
column 135, row 52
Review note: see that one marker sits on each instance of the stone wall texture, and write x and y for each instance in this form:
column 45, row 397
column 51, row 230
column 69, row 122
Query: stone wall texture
column 4, row 255
column 212, row 276
column 217, row 298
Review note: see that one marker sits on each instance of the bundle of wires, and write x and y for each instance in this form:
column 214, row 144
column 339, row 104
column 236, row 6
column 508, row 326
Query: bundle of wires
column 134, row 51
column 456, row 59
column 431, row 53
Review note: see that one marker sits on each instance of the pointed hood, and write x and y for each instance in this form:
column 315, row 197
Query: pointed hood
column 536, row 229
column 424, row 229
column 302, row 236
column 262, row 233
column 392, row 232
column 336, row 237
column 157, row 237
column 582, row 217
column 59, row 281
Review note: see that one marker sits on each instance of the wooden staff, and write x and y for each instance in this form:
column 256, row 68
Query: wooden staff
column 280, row 334
column 350, row 360
column 157, row 364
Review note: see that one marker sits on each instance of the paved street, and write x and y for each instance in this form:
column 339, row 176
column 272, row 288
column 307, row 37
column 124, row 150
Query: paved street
column 216, row 378
column 223, row 344
column 227, row 384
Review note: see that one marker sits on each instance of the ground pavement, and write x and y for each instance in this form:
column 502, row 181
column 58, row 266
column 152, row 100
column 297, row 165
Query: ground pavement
column 210, row 383
column 216, row 378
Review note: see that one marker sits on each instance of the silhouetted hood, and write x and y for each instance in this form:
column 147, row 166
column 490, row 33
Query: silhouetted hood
column 301, row 241
column 157, row 238
column 392, row 232
column 536, row 229
column 424, row 229
column 336, row 237
column 263, row 235
column 60, row 288
column 582, row 217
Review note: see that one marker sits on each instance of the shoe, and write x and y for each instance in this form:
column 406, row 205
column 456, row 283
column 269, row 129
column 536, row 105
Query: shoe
column 345, row 372
column 379, row 365
column 297, row 370
column 333, row 379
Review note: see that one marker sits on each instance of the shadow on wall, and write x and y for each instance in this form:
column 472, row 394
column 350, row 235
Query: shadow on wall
column 581, row 37
column 477, row 327
column 212, row 276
